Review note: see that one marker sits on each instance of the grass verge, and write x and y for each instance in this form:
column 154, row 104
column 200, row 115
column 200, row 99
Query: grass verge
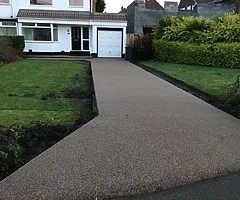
column 210, row 84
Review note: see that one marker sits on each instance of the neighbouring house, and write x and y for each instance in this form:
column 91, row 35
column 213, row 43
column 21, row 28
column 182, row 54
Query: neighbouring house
column 144, row 15
column 171, row 8
column 63, row 26
column 206, row 8
column 123, row 10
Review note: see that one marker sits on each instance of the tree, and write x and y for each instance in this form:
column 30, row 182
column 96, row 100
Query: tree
column 100, row 5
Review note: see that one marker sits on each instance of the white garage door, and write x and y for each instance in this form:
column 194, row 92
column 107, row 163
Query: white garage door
column 110, row 44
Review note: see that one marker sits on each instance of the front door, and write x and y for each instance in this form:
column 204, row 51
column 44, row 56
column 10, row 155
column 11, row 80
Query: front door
column 76, row 38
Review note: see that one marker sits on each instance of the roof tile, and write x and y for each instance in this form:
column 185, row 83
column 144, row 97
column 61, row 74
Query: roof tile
column 63, row 14
column 153, row 5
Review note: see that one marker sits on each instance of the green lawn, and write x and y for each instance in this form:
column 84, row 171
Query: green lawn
column 211, row 80
column 26, row 83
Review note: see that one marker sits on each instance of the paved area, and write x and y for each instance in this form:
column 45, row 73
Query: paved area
column 149, row 136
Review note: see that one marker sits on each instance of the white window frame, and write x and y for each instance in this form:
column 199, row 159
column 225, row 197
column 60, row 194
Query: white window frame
column 82, row 39
column 70, row 6
column 51, row 27
column 9, row 26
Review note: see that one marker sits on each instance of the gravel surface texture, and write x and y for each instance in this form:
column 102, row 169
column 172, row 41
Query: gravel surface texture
column 149, row 136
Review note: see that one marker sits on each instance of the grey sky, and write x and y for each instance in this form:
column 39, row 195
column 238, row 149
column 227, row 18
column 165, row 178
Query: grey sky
column 115, row 5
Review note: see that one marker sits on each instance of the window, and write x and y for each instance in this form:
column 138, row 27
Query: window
column 4, row 1
column 41, row 2
column 85, row 38
column 8, row 28
column 28, row 24
column 9, row 23
column 40, row 32
column 80, row 38
column 55, row 33
column 78, row 3
column 37, row 34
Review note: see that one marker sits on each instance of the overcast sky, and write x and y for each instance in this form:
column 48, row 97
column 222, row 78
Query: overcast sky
column 115, row 5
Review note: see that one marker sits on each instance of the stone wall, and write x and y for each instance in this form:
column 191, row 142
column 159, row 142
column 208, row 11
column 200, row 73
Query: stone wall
column 145, row 17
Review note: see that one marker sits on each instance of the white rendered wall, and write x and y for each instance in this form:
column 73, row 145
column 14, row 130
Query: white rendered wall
column 11, row 9
column 6, row 11
column 64, row 34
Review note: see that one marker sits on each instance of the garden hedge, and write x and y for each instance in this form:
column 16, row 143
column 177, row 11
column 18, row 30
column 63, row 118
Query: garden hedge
column 16, row 42
column 11, row 47
column 226, row 55
column 224, row 29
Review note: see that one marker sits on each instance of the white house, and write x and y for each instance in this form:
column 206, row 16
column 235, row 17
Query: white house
column 63, row 26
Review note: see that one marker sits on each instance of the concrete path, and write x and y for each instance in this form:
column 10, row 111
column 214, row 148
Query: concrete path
column 149, row 136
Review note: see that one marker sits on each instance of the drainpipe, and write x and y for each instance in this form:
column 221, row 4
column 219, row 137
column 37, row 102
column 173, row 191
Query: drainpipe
column 11, row 2
column 90, row 3
column 93, row 6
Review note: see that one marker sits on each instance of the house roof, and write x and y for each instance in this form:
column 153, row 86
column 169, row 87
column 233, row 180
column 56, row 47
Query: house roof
column 63, row 14
column 223, row 1
column 203, row 1
column 186, row 3
column 123, row 10
column 153, row 5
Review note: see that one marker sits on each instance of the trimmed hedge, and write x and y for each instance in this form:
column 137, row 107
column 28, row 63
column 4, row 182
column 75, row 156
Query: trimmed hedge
column 16, row 42
column 225, row 55
column 199, row 29
column 11, row 47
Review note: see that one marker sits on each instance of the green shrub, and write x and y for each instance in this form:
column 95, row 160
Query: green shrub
column 199, row 29
column 10, row 54
column 20, row 144
column 225, row 55
column 11, row 47
column 10, row 151
column 16, row 42
column 233, row 93
column 226, row 29
column 4, row 43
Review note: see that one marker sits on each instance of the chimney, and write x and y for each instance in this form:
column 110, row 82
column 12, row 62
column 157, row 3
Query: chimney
column 141, row 3
column 93, row 6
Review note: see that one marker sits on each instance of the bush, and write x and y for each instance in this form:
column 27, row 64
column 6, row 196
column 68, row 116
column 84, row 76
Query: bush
column 10, row 151
column 199, row 29
column 233, row 93
column 18, row 43
column 19, row 145
column 9, row 54
column 225, row 55
column 11, row 47
column 4, row 42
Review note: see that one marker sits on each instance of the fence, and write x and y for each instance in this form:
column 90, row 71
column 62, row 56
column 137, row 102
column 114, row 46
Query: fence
column 139, row 48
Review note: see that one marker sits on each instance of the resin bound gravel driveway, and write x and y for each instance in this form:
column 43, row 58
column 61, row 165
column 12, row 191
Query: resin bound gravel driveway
column 149, row 136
